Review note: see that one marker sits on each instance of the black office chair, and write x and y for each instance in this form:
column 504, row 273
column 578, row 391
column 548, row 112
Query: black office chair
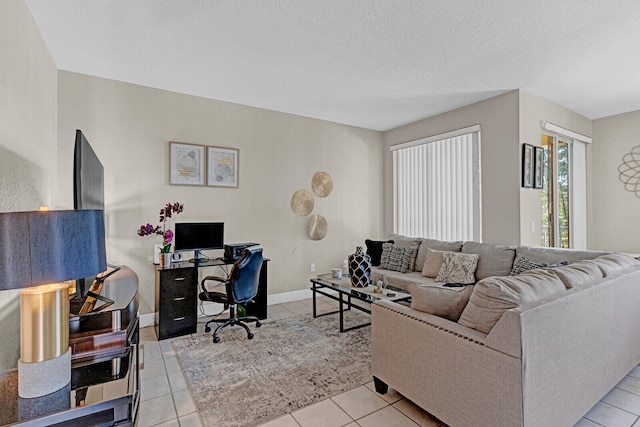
column 241, row 287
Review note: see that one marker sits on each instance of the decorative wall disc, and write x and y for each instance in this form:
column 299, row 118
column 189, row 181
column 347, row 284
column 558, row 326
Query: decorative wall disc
column 322, row 184
column 318, row 227
column 302, row 203
column 629, row 171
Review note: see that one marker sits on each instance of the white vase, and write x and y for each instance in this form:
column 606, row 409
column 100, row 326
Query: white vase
column 157, row 248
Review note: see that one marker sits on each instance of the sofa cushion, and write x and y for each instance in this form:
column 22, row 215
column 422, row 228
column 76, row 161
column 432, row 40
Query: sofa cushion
column 579, row 273
column 432, row 263
column 493, row 296
column 611, row 264
column 556, row 255
column 495, row 260
column 440, row 301
column 374, row 249
column 522, row 264
column 457, row 268
column 439, row 245
column 398, row 258
column 401, row 240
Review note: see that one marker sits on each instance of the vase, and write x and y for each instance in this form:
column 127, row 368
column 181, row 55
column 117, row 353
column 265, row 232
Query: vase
column 165, row 259
column 360, row 268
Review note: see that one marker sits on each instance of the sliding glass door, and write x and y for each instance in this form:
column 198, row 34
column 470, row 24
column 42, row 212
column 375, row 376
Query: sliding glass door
column 556, row 192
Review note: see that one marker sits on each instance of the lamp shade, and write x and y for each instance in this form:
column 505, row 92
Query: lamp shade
column 51, row 246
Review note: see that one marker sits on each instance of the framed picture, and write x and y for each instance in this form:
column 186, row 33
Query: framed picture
column 222, row 170
column 539, row 167
column 186, row 164
column 527, row 165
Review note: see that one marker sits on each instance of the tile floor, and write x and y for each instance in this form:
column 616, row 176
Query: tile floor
column 166, row 400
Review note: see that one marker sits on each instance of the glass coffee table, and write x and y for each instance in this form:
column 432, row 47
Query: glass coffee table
column 343, row 292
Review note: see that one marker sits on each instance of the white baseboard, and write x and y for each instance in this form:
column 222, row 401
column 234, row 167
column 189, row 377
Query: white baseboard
column 288, row 296
column 147, row 320
column 212, row 308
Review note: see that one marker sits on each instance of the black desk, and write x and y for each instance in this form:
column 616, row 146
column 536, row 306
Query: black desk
column 176, row 297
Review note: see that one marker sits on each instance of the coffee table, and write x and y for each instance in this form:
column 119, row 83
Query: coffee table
column 325, row 283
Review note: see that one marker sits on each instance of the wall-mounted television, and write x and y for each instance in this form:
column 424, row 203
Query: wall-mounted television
column 199, row 236
column 88, row 176
column 88, row 190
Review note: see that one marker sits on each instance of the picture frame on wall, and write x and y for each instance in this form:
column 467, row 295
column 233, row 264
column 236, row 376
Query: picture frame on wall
column 187, row 164
column 539, row 167
column 223, row 166
column 527, row 165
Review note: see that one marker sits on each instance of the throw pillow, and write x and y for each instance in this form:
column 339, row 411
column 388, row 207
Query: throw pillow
column 398, row 258
column 438, row 245
column 374, row 250
column 493, row 296
column 522, row 264
column 457, row 268
column 432, row 263
column 440, row 301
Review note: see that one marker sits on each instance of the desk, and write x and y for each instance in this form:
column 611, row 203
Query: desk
column 176, row 297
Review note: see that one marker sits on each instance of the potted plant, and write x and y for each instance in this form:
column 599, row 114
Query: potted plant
column 166, row 213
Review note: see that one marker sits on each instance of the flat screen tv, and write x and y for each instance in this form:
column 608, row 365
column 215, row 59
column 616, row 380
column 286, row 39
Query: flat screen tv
column 199, row 236
column 88, row 176
column 88, row 189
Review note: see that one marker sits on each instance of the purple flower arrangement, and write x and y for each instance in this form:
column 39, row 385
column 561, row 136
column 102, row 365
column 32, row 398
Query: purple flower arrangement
column 166, row 212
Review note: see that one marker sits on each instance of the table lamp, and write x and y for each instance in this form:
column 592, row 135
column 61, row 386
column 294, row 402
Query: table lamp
column 38, row 250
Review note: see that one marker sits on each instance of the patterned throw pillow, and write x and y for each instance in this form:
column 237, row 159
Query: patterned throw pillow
column 398, row 258
column 458, row 268
column 522, row 264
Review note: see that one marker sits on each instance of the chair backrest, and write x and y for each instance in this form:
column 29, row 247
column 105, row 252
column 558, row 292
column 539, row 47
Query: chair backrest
column 245, row 275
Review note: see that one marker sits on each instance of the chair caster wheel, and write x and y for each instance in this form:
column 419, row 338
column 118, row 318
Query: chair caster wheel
column 258, row 324
column 216, row 339
column 250, row 335
column 207, row 329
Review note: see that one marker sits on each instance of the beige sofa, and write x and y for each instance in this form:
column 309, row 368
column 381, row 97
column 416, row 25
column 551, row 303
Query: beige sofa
column 545, row 362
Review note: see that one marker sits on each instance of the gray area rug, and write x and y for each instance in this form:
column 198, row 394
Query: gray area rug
column 289, row 364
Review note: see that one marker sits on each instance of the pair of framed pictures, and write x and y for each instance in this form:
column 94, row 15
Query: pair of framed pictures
column 192, row 164
column 532, row 166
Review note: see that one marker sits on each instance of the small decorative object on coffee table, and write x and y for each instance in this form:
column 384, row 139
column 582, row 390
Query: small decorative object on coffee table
column 359, row 268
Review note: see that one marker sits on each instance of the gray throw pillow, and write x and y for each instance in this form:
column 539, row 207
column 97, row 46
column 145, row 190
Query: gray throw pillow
column 440, row 301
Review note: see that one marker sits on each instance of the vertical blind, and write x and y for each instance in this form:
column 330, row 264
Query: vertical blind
column 437, row 186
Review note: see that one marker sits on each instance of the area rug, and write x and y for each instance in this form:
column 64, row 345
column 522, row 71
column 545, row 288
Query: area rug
column 289, row 364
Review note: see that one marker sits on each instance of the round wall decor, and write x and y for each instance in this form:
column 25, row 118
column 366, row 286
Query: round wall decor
column 318, row 227
column 302, row 203
column 322, row 184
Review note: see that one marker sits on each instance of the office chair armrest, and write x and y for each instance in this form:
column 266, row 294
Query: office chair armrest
column 212, row 278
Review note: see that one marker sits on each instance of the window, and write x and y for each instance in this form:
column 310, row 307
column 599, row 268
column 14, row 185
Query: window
column 564, row 189
column 437, row 186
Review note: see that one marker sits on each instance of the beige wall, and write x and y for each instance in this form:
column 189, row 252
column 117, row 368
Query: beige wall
column 28, row 91
column 615, row 210
column 28, row 95
column 533, row 110
column 130, row 127
column 498, row 120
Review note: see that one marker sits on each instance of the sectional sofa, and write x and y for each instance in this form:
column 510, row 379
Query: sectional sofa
column 539, row 348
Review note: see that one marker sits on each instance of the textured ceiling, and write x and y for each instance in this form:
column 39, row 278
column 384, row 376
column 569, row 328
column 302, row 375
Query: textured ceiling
column 376, row 64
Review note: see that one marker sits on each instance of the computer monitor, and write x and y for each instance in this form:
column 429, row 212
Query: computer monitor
column 199, row 236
